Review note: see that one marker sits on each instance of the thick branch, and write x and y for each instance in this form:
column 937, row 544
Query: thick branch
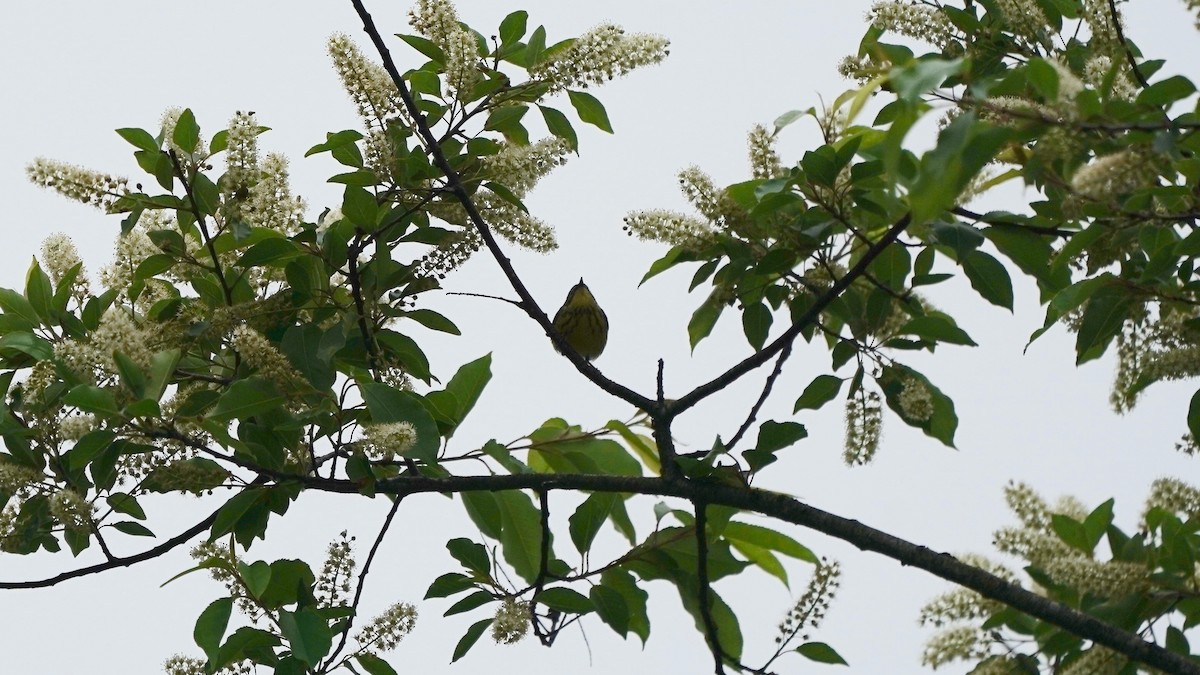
column 785, row 508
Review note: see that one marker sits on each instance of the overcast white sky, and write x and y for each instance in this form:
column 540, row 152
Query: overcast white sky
column 75, row 70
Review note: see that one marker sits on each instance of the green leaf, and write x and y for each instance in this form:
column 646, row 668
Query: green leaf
column 943, row 421
column 90, row 398
column 87, row 448
column 449, row 584
column 307, row 634
column 774, row 436
column 472, row 555
column 703, row 320
column 256, row 576
column 611, row 608
column 512, row 28
column 426, row 47
column 134, row 529
column 40, row 292
column 374, row 665
column 469, row 639
column 634, row 597
column 303, row 347
column 139, row 138
column 131, row 374
column 989, row 278
column 268, row 251
column 187, row 132
column 433, row 321
column 913, row 81
column 756, row 324
column 769, row 539
column 937, row 329
column 566, row 600
column 558, row 124
column 590, row 110
column 360, row 208
column 589, row 517
column 211, row 624
column 822, row 390
column 521, row 533
column 1165, row 92
column 126, row 503
column 821, row 653
column 246, row 398
column 387, row 404
column 535, row 48
column 15, row 304
column 1193, row 416
column 891, row 267
column 470, row 602
column 1105, row 313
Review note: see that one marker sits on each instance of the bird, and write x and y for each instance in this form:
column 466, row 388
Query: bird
column 581, row 323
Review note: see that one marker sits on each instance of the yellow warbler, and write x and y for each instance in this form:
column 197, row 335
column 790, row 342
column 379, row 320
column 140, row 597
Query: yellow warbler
column 582, row 323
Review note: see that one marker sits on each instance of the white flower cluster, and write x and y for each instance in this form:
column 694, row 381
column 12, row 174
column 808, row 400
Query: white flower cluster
column 438, row 21
column 1025, row 18
column 764, row 161
column 258, row 351
column 911, row 20
column 75, row 427
column 370, row 87
column 1102, row 22
column 864, row 426
column 599, row 55
column 118, row 331
column 1114, row 175
column 1096, row 661
column 334, row 582
column 960, row 643
column 809, row 611
column 130, row 249
column 511, row 622
column 1174, row 496
column 916, row 400
column 449, row 255
column 1108, row 579
column 71, row 509
column 15, row 478
column 241, row 155
column 520, row 167
column 389, row 440
column 271, row 202
column 670, row 227
column 386, row 631
column 1098, row 69
column 59, row 256
column 93, row 188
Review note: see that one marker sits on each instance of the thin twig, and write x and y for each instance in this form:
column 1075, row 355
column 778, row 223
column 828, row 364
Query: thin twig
column 810, row 315
column 543, row 567
column 149, row 554
column 1115, row 16
column 762, row 398
column 710, row 625
column 212, row 250
column 362, row 578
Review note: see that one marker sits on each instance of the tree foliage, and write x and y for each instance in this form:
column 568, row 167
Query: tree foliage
column 239, row 351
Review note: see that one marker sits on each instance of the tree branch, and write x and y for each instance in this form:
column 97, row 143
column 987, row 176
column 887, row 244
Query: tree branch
column 710, row 626
column 362, row 578
column 788, row 509
column 113, row 563
column 455, row 184
column 803, row 321
column 762, row 398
